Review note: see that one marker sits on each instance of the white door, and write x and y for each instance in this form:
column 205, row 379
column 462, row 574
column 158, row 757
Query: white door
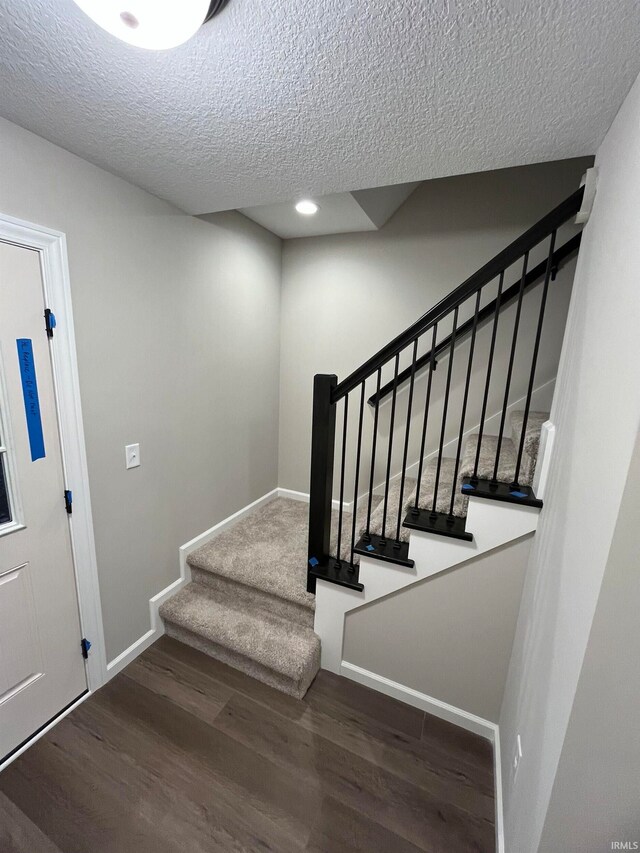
column 41, row 664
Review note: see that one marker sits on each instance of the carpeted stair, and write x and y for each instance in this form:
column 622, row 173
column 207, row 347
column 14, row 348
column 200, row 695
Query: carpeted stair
column 247, row 604
column 486, row 466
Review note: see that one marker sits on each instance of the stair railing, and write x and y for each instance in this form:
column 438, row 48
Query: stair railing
column 328, row 394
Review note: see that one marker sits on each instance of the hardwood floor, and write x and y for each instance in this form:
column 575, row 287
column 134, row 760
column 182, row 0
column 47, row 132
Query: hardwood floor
column 182, row 753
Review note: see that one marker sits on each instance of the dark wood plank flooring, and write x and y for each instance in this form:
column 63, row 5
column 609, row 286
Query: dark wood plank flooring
column 182, row 753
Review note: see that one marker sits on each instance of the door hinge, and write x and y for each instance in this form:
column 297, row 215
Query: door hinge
column 68, row 501
column 85, row 645
column 49, row 321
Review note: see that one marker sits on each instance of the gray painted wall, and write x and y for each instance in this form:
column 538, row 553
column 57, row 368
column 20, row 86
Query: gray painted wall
column 596, row 794
column 449, row 636
column 597, row 413
column 177, row 326
column 345, row 296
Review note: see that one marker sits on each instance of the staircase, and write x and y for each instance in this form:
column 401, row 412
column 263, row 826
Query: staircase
column 452, row 500
column 247, row 603
column 456, row 491
column 417, row 489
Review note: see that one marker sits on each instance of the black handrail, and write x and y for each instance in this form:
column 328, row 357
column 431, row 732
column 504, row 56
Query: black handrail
column 426, row 513
column 534, row 276
column 513, row 252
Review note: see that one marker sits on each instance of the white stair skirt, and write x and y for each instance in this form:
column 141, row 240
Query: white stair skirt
column 492, row 524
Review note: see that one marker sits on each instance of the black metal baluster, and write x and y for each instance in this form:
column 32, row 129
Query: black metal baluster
column 357, row 477
column 514, row 342
column 340, row 508
column 464, row 402
column 444, row 411
column 374, row 441
column 323, row 435
column 406, row 438
column 391, row 424
column 485, row 399
column 432, row 364
column 534, row 359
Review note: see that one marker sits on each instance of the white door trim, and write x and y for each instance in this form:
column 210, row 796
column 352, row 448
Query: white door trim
column 54, row 265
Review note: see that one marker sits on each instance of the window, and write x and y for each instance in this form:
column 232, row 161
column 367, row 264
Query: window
column 10, row 505
column 5, row 506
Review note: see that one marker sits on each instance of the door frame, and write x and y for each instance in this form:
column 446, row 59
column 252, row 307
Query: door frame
column 52, row 248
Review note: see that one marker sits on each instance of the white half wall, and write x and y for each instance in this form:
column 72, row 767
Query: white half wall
column 596, row 413
column 449, row 636
column 493, row 525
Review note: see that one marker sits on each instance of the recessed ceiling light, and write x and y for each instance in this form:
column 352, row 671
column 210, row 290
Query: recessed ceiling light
column 307, row 207
column 153, row 24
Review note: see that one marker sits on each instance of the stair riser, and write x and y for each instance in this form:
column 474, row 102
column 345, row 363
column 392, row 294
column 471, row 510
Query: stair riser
column 252, row 598
column 244, row 664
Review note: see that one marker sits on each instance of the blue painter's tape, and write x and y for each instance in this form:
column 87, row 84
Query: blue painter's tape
column 313, row 562
column 518, row 494
column 468, row 487
column 370, row 548
column 31, row 399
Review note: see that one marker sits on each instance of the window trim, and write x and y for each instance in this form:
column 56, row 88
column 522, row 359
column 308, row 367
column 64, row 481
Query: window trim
column 7, row 452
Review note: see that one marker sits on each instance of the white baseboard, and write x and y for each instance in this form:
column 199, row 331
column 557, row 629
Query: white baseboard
column 444, row 711
column 157, row 628
column 218, row 528
column 131, row 653
column 497, row 781
column 304, row 497
column 293, row 496
column 464, row 719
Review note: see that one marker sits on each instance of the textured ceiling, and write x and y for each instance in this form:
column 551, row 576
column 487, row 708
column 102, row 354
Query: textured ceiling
column 339, row 213
column 276, row 99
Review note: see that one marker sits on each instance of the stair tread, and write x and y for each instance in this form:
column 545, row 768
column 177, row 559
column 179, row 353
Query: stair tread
column 393, row 506
column 362, row 511
column 266, row 551
column 486, row 462
column 280, row 645
column 445, row 487
column 425, row 498
column 252, row 598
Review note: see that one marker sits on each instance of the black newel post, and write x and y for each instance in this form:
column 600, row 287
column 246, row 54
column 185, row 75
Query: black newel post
column 321, row 485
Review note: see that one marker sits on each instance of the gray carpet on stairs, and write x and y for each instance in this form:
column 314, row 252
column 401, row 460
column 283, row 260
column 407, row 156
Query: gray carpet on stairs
column 247, row 604
column 266, row 550
column 362, row 511
column 277, row 651
column 531, row 441
column 486, row 467
column 425, row 498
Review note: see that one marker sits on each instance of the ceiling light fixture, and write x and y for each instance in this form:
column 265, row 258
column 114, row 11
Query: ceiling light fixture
column 152, row 24
column 307, row 207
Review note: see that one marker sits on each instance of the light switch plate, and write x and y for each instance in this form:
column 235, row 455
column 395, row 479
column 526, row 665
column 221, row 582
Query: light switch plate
column 132, row 455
